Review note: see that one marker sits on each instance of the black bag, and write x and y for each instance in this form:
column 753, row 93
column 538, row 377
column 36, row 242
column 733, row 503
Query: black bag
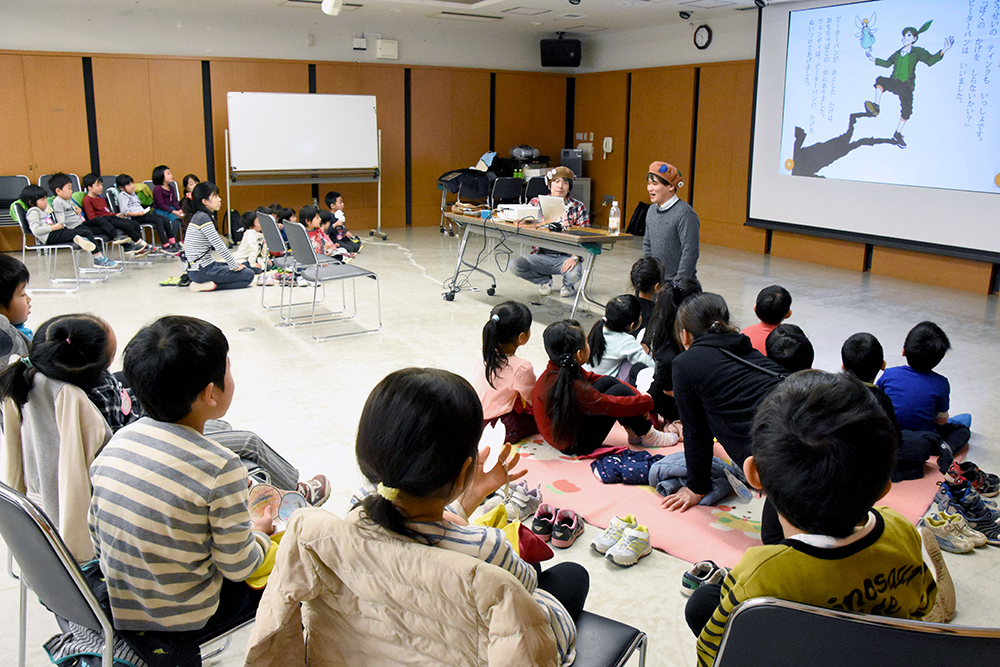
column 637, row 223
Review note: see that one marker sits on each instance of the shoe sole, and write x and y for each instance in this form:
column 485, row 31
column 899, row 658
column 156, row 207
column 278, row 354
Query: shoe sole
column 600, row 548
column 565, row 543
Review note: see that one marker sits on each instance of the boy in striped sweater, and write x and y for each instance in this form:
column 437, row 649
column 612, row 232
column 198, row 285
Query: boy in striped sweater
column 169, row 517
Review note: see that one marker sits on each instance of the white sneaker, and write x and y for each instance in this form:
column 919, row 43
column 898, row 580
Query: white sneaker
column 633, row 545
column 545, row 289
column 654, row 438
column 566, row 291
column 611, row 536
column 523, row 502
column 85, row 244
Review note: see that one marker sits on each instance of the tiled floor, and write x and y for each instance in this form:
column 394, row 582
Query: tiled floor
column 305, row 397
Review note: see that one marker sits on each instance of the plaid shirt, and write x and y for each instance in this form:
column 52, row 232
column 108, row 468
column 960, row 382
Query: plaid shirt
column 116, row 404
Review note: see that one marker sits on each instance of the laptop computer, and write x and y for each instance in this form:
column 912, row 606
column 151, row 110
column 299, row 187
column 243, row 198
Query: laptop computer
column 553, row 208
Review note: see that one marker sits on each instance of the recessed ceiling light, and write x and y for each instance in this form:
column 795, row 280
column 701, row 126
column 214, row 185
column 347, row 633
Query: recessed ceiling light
column 526, row 11
column 573, row 17
column 459, row 16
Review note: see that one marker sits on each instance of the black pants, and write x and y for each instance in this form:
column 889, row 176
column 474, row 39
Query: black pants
column 569, row 583
column 594, row 429
column 165, row 229
column 66, row 235
column 701, row 605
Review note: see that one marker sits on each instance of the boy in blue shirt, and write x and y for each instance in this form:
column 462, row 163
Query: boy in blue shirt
column 921, row 397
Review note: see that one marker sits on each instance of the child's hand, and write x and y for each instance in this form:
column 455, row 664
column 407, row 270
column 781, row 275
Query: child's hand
column 77, row 209
column 265, row 523
column 56, row 227
column 681, row 500
column 485, row 482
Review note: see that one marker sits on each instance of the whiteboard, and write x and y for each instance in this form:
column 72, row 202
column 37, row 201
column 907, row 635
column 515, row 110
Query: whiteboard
column 275, row 132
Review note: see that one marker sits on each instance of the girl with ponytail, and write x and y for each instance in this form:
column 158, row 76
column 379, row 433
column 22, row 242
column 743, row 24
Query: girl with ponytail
column 719, row 382
column 613, row 347
column 417, row 445
column 52, row 431
column 504, row 381
column 575, row 409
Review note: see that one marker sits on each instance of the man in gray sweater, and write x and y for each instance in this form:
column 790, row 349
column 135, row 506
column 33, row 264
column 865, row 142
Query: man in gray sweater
column 672, row 226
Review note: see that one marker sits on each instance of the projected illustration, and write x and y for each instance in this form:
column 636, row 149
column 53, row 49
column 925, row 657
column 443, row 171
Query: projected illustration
column 853, row 107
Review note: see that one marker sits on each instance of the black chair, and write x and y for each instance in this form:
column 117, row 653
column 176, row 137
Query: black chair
column 536, row 186
column 43, row 181
column 10, row 191
column 506, row 191
column 604, row 642
column 777, row 633
column 48, row 568
column 108, row 181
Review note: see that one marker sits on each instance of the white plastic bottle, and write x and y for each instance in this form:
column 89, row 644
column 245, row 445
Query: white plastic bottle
column 615, row 220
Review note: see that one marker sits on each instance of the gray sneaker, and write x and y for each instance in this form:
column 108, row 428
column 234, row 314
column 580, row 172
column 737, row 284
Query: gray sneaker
column 614, row 532
column 633, row 545
column 545, row 289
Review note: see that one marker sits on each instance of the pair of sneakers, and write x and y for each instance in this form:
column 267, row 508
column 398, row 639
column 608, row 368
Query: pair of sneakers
column 986, row 484
column 561, row 526
column 624, row 542
column 953, row 532
column 520, row 502
column 704, row 572
column 960, row 498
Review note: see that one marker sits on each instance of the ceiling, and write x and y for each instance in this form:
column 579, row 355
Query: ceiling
column 541, row 17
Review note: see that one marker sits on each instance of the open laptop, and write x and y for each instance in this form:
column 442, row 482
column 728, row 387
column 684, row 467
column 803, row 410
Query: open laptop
column 553, row 208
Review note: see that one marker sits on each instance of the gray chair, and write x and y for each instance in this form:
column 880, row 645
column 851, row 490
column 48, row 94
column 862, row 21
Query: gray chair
column 777, row 633
column 49, row 569
column 275, row 243
column 506, row 191
column 50, row 252
column 10, row 191
column 317, row 272
column 109, row 181
column 43, row 181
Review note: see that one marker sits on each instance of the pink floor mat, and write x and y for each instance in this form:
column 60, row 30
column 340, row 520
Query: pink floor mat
column 720, row 533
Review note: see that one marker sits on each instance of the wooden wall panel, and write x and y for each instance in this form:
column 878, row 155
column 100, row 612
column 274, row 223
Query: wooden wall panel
column 722, row 160
column 531, row 109
column 661, row 127
column 960, row 274
column 178, row 128
column 345, row 79
column 450, row 130
column 57, row 114
column 125, row 119
column 601, row 104
column 15, row 158
column 829, row 252
column 338, row 78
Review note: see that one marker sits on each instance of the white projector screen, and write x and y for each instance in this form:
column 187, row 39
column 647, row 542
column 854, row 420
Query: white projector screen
column 275, row 132
column 825, row 157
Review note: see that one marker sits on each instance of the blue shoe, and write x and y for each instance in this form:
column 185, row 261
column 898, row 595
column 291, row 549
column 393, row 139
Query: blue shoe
column 965, row 419
column 105, row 263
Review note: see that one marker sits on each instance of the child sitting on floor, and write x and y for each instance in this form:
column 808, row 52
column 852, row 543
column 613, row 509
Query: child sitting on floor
column 788, row 346
column 921, row 397
column 774, row 304
column 252, row 252
column 647, row 281
column 575, row 409
column 504, row 381
column 202, row 237
column 613, row 347
column 822, row 451
column 417, row 443
column 309, row 215
column 337, row 231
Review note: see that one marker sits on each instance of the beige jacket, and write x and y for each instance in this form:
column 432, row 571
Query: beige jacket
column 343, row 593
column 47, row 455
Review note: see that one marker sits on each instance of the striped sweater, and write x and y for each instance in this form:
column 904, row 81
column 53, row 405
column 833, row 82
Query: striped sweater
column 169, row 520
column 201, row 238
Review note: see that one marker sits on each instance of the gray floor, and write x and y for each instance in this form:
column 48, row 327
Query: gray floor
column 305, row 397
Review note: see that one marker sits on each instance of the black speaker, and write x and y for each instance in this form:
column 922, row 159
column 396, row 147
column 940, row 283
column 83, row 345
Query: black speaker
column 561, row 52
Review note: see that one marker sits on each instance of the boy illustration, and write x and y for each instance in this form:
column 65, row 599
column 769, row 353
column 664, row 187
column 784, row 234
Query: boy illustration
column 822, row 451
column 903, row 78
column 169, row 517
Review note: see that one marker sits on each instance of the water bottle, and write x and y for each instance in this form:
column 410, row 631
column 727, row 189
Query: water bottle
column 615, row 220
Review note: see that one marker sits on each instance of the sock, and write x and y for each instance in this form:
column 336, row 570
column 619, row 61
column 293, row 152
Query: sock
column 172, row 240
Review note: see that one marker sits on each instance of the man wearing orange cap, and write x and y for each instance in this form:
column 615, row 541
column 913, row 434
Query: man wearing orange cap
column 541, row 265
column 672, row 226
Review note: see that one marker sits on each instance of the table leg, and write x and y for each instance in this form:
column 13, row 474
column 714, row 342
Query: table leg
column 450, row 296
column 588, row 265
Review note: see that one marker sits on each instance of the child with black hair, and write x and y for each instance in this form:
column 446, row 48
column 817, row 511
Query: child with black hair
column 575, row 409
column 774, row 304
column 15, row 306
column 169, row 509
column 49, row 232
column 187, row 204
column 68, row 214
column 646, row 277
column 202, row 237
column 168, row 231
column 252, row 251
column 417, row 445
column 165, row 200
column 921, row 397
column 822, row 451
column 96, row 206
column 613, row 347
column 337, row 231
column 311, row 220
column 52, row 431
column 788, row 346
column 505, row 381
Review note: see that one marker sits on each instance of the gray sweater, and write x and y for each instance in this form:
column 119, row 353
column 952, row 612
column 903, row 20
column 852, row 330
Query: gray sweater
column 672, row 237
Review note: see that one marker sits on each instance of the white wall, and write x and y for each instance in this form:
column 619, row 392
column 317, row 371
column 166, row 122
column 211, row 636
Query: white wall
column 734, row 37
column 248, row 30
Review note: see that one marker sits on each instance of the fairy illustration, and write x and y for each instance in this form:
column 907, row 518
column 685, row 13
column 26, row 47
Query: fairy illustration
column 868, row 31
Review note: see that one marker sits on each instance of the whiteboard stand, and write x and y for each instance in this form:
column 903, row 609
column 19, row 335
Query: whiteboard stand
column 378, row 215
